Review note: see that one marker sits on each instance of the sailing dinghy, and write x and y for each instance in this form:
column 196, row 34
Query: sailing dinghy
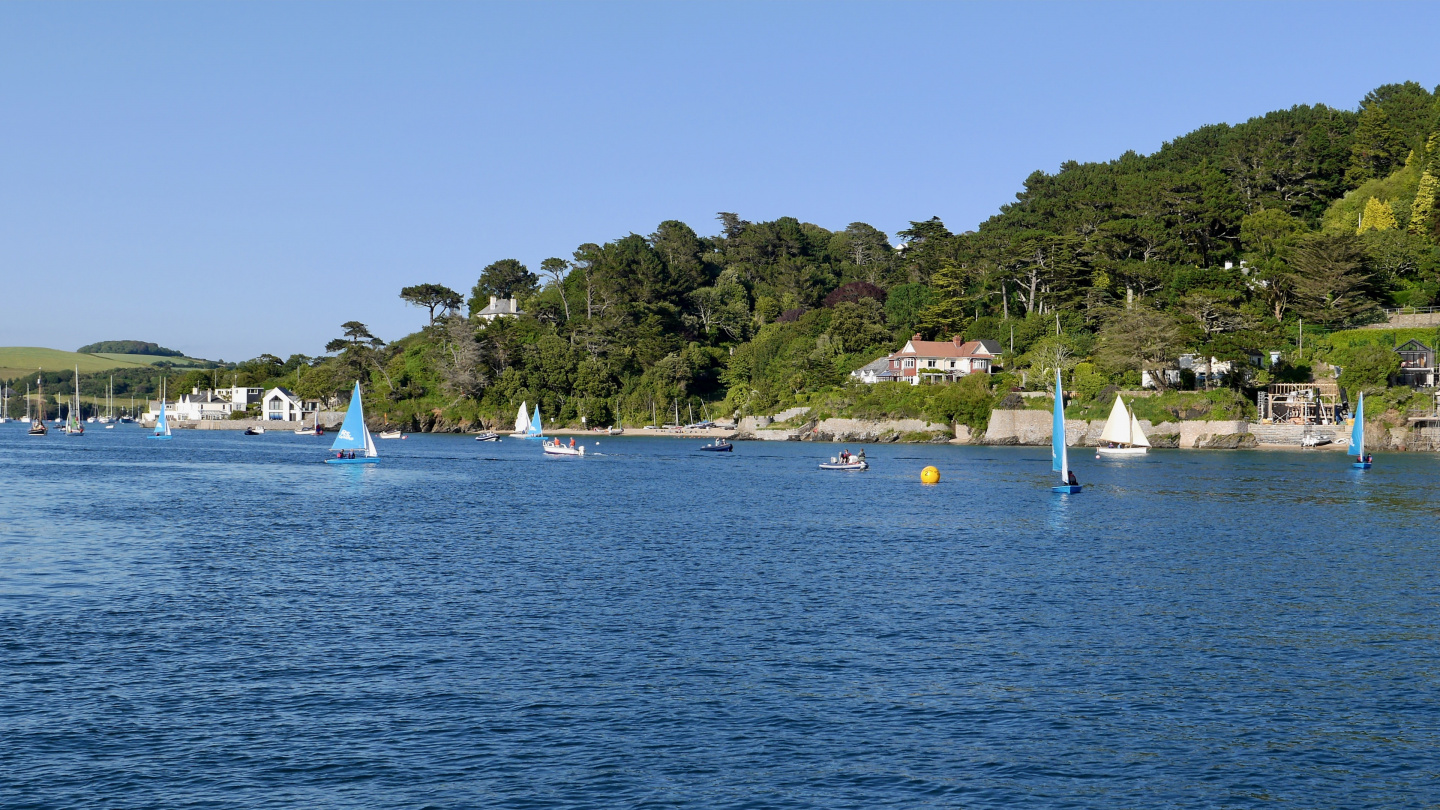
column 1357, row 437
column 535, row 432
column 522, row 423
column 1060, row 459
column 354, row 444
column 1122, row 435
column 162, row 426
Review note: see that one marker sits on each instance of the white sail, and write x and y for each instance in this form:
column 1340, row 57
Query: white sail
column 1117, row 427
column 1137, row 436
column 522, row 420
column 369, row 444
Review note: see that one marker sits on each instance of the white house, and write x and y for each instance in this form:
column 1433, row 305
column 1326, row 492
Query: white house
column 500, row 308
column 875, row 371
column 198, row 405
column 282, row 404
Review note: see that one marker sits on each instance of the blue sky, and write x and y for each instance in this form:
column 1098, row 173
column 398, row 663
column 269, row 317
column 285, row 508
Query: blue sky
column 231, row 179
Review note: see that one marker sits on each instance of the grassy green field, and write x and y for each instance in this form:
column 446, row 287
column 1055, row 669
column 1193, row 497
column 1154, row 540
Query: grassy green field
column 18, row 361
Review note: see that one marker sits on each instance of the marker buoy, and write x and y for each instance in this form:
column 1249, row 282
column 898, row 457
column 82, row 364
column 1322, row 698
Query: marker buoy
column 929, row 475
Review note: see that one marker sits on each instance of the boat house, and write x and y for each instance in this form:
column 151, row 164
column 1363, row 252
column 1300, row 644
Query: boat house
column 1300, row 404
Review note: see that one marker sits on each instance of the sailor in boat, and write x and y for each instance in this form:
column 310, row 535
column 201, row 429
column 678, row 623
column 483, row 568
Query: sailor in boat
column 1073, row 481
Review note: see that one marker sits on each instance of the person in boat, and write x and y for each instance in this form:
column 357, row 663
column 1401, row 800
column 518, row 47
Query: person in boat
column 1073, row 481
column 572, row 442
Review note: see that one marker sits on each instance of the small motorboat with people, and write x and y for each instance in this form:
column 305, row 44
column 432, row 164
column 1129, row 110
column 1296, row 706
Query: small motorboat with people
column 488, row 436
column 718, row 446
column 255, row 430
column 854, row 462
column 554, row 447
column 313, row 430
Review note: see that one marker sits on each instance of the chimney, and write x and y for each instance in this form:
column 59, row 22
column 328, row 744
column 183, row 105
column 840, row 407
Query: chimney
column 194, row 392
column 957, row 340
column 916, row 337
column 492, row 302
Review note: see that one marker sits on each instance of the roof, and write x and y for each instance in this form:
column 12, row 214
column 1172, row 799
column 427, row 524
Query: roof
column 501, row 306
column 286, row 392
column 876, row 366
column 915, row 347
column 1412, row 346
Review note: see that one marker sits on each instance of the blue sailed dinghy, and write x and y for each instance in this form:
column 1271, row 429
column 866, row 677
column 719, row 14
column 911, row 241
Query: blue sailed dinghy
column 1059, row 459
column 354, row 444
column 162, row 427
column 535, row 432
column 1357, row 437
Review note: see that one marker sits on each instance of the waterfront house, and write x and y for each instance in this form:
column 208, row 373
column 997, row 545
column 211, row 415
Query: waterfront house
column 283, row 405
column 1417, row 364
column 500, row 308
column 941, row 360
column 199, row 405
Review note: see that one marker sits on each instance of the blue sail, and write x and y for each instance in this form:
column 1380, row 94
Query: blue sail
column 1357, row 433
column 1057, row 431
column 535, row 429
column 352, row 430
column 162, row 428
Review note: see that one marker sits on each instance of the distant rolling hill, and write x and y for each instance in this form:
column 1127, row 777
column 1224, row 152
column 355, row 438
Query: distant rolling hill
column 18, row 361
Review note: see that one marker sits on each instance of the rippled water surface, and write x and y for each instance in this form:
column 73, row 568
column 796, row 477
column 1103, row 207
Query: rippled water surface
column 221, row 621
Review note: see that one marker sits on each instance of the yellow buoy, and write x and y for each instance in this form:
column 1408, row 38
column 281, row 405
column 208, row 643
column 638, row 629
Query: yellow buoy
column 929, row 475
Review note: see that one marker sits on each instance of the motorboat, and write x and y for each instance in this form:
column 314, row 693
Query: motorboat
column 1314, row 440
column 854, row 464
column 718, row 446
column 254, row 431
column 391, row 434
column 488, row 436
column 553, row 447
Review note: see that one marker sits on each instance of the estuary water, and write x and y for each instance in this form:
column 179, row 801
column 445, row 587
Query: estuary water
column 222, row 621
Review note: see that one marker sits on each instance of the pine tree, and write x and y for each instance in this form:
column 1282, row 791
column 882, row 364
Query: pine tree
column 1376, row 148
column 1424, row 205
column 1379, row 216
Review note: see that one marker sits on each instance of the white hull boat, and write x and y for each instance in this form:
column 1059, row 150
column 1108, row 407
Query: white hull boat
column 852, row 466
column 1122, row 435
column 391, row 434
column 1120, row 451
column 555, row 448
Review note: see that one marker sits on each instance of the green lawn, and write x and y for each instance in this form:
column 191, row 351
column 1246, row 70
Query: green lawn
column 18, row 361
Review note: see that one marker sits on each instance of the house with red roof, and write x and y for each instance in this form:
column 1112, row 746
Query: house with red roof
column 939, row 360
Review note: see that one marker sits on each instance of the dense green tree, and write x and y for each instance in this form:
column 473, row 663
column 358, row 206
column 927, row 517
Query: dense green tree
column 1333, row 285
column 507, row 278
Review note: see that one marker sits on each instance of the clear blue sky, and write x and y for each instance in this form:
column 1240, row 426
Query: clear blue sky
column 231, row 179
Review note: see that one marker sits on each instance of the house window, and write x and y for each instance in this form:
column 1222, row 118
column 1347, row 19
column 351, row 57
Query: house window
column 909, row 363
column 930, row 363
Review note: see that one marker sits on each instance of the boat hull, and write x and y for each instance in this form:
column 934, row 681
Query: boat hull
column 1121, row 451
column 710, row 448
column 1360, row 465
column 159, row 437
column 856, row 467
column 563, row 450
column 488, row 437
column 360, row 460
column 1066, row 489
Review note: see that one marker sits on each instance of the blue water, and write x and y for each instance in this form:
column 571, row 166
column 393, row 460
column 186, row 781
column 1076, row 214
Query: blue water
column 222, row 621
